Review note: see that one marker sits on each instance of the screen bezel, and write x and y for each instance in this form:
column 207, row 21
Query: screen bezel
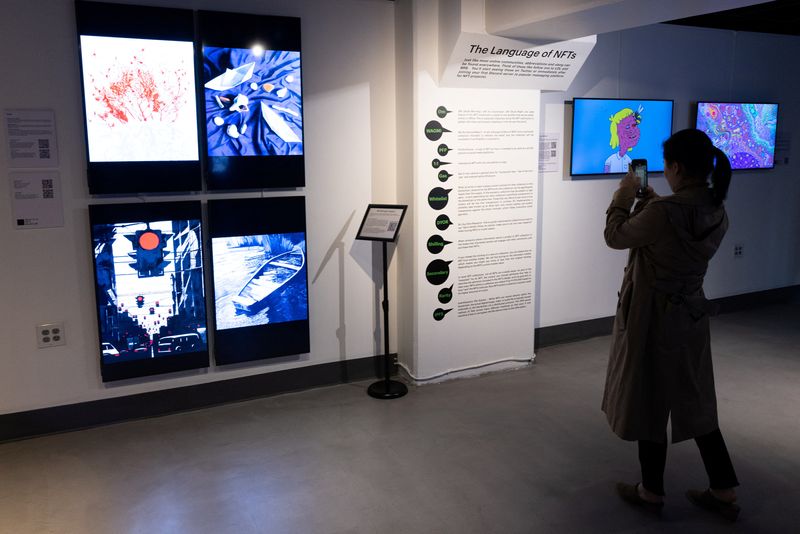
column 775, row 148
column 572, row 132
column 140, row 22
column 258, row 216
column 237, row 30
column 144, row 212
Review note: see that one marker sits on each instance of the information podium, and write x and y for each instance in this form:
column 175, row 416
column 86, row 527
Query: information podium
column 382, row 223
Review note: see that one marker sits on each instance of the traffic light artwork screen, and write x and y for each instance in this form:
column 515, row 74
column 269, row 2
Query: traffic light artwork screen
column 260, row 273
column 139, row 88
column 149, row 287
column 259, row 279
column 253, row 100
column 744, row 132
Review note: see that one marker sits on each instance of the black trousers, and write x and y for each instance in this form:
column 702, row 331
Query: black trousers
column 653, row 459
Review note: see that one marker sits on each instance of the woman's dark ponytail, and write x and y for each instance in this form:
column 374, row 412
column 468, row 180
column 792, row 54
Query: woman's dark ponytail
column 700, row 158
column 720, row 176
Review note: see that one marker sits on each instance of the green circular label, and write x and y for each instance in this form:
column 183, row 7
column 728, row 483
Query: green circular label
column 443, row 222
column 442, row 112
column 434, row 130
column 437, row 272
column 442, row 149
column 443, row 175
column 445, row 295
column 439, row 313
column 438, row 197
column 436, row 244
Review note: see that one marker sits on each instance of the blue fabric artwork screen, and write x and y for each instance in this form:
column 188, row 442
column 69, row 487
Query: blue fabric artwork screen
column 253, row 102
column 607, row 134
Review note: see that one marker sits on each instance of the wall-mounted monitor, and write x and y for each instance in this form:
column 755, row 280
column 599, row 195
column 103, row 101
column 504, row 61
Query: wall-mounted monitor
column 745, row 132
column 607, row 134
column 260, row 273
column 139, row 98
column 148, row 266
column 253, row 101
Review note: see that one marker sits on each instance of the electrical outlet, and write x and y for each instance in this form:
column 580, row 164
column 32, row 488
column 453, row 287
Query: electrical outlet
column 50, row 335
column 738, row 251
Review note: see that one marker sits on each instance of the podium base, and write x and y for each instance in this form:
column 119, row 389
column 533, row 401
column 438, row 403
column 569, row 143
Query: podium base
column 387, row 389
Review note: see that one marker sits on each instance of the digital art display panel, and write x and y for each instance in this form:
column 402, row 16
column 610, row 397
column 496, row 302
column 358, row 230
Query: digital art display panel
column 259, row 279
column 139, row 90
column 607, row 134
column 253, row 100
column 149, row 288
column 260, row 272
column 744, row 132
column 140, row 99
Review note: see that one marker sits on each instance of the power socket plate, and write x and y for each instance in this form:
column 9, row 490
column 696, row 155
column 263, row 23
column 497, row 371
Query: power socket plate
column 50, row 335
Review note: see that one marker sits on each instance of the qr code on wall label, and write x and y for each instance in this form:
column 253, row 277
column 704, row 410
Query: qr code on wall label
column 47, row 188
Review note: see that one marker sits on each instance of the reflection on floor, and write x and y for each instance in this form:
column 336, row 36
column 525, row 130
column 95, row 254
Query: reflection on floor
column 517, row 452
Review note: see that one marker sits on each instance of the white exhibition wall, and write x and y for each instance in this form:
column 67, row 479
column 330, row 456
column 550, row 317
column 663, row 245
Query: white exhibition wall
column 579, row 275
column 46, row 274
column 356, row 110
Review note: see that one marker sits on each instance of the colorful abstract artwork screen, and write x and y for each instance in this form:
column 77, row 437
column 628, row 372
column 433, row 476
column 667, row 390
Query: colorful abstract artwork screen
column 259, row 259
column 607, row 134
column 148, row 264
column 139, row 98
column 745, row 132
column 253, row 100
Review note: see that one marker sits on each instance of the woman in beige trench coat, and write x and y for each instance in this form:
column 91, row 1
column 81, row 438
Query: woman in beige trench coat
column 660, row 360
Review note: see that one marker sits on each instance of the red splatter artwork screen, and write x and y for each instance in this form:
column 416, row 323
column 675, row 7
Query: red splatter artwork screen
column 140, row 99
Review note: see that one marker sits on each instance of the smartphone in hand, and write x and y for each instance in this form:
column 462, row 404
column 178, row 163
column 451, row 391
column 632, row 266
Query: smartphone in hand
column 639, row 167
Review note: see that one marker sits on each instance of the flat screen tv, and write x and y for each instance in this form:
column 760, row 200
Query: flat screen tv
column 139, row 98
column 150, row 299
column 252, row 101
column 745, row 132
column 608, row 133
column 260, row 274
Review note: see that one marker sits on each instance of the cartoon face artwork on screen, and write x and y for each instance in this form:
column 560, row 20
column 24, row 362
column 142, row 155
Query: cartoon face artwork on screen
column 149, row 288
column 140, row 99
column 745, row 132
column 625, row 134
column 253, row 102
column 607, row 134
column 259, row 279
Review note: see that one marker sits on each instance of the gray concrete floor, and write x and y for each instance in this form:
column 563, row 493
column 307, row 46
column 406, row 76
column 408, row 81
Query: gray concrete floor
column 517, row 452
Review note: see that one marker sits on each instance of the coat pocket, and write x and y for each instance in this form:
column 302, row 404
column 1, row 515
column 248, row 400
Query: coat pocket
column 624, row 304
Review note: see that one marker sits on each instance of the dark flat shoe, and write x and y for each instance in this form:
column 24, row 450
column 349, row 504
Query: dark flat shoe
column 630, row 494
column 707, row 501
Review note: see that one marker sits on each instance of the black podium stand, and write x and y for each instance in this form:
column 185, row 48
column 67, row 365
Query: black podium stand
column 381, row 223
column 386, row 388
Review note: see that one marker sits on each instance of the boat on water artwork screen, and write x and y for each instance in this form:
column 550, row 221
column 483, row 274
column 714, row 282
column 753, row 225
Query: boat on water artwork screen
column 259, row 279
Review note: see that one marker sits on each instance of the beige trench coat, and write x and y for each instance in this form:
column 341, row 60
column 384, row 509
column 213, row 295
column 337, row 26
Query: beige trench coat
column 660, row 361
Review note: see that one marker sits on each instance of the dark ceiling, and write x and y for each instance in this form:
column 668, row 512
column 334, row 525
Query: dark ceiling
column 780, row 16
